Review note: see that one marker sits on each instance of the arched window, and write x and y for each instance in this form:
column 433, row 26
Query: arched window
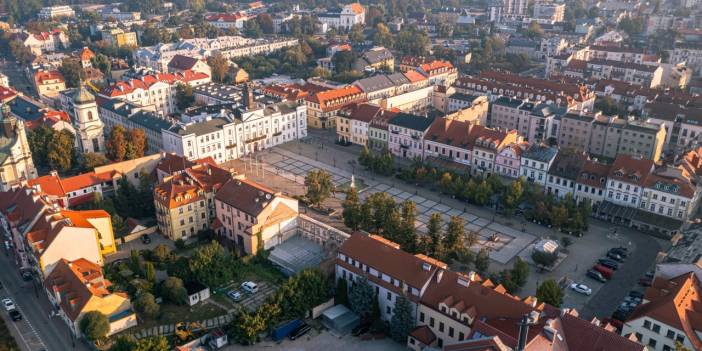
column 90, row 115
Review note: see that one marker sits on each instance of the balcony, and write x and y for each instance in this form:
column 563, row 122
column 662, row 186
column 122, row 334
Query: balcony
column 404, row 146
column 253, row 140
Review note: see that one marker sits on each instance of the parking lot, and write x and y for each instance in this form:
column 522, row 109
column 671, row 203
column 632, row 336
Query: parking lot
column 249, row 301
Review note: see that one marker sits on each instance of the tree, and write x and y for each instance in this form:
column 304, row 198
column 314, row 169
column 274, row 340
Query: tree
column 680, row 347
column 116, row 144
column 38, row 140
column 60, row 151
column 248, row 326
column 382, row 36
column 342, row 293
column 401, row 323
column 209, row 264
column 119, row 226
column 544, row 258
column 91, row 160
column 321, row 73
column 559, row 215
column 161, row 253
column 150, row 272
column 265, row 22
column 520, row 272
column 446, row 183
column 356, row 34
column 219, row 66
column 184, row 96
column 343, row 61
column 252, row 29
column 361, row 298
column 436, row 245
column 146, row 305
column 482, row 261
column 72, row 72
column 94, row 326
column 412, row 42
column 534, row 31
column 102, row 63
column 607, row 105
column 319, row 186
column 352, row 209
column 135, row 261
column 550, row 293
column 172, row 290
column 136, row 144
column 407, row 236
column 455, row 232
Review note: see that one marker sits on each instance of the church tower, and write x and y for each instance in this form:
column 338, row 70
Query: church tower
column 16, row 162
column 89, row 127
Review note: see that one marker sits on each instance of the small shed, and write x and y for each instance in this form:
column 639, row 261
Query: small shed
column 340, row 319
column 546, row 246
column 197, row 292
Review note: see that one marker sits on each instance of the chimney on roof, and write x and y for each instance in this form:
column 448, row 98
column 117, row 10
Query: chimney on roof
column 248, row 98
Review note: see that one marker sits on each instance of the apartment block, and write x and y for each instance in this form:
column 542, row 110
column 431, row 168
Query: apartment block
column 406, row 135
column 324, row 106
column 533, row 120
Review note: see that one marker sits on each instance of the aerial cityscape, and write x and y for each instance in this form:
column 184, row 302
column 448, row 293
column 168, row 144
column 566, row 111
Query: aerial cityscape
column 381, row 175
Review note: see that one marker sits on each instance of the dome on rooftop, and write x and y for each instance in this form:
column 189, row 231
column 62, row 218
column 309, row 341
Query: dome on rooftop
column 83, row 96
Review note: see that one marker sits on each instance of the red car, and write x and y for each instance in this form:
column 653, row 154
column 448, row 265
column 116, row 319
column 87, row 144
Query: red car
column 606, row 272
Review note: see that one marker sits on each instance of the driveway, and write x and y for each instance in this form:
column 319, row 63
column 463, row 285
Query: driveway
column 124, row 250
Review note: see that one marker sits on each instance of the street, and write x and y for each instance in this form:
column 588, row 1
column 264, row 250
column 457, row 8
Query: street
column 16, row 75
column 36, row 331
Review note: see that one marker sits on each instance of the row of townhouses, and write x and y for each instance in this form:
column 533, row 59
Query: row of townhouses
column 457, row 311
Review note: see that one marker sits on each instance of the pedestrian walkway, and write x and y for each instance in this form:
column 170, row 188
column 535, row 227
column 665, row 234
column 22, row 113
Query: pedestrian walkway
column 503, row 242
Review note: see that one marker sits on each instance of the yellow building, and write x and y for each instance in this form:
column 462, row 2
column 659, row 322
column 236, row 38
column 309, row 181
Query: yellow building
column 119, row 38
column 78, row 287
column 185, row 201
column 49, row 83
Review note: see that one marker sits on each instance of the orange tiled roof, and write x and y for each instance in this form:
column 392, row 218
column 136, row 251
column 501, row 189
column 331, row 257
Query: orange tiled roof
column 337, row 98
column 41, row 77
column 414, row 76
column 126, row 87
column 226, row 17
column 76, row 282
column 86, row 54
column 357, row 8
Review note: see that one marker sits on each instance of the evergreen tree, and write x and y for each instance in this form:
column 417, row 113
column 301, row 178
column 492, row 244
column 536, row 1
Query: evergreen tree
column 361, row 298
column 482, row 261
column 454, row 235
column 150, row 272
column 352, row 209
column 342, row 293
column 407, row 236
column 401, row 323
column 550, row 293
column 436, row 245
column 520, row 272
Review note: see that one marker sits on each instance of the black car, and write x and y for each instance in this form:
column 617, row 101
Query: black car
column 300, row 331
column 15, row 315
column 611, row 264
column 145, row 239
column 596, row 275
column 621, row 251
column 360, row 329
column 26, row 276
column 615, row 256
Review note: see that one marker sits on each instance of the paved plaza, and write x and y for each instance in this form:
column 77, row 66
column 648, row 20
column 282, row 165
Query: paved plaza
column 503, row 242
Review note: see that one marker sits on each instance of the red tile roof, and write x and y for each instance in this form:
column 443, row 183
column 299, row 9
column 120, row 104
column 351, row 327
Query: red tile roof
column 423, row 334
column 54, row 185
column 335, row 99
column 582, row 335
column 357, row 8
column 126, row 87
column 414, row 76
column 7, row 94
column 42, row 77
column 676, row 302
column 76, row 282
column 86, row 54
column 592, row 172
column 630, row 169
column 190, row 185
column 226, row 17
column 246, row 195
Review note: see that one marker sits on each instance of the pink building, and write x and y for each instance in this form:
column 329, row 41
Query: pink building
column 507, row 161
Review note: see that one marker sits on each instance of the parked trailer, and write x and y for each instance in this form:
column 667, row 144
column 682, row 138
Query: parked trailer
column 284, row 329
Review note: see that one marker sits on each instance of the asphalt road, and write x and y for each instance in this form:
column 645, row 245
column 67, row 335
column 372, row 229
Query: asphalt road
column 15, row 73
column 37, row 331
column 626, row 278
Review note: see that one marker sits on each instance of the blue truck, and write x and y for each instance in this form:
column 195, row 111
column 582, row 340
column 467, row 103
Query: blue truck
column 284, row 329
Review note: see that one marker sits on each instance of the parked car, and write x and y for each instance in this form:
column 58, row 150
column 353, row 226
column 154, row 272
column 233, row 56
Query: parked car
column 631, row 299
column 26, row 276
column 615, row 256
column 360, row 329
column 636, row 294
column 645, row 282
column 300, row 331
column 596, row 275
column 650, row 274
column 145, row 239
column 249, row 287
column 15, row 315
column 621, row 250
column 8, row 304
column 621, row 315
column 627, row 306
column 606, row 272
column 235, row 295
column 581, row 288
column 609, row 263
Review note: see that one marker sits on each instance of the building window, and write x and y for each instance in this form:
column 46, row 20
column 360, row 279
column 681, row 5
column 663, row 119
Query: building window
column 652, row 342
column 421, row 317
column 670, row 334
column 656, row 328
column 450, row 331
column 431, row 322
column 387, row 309
column 389, row 296
column 441, row 327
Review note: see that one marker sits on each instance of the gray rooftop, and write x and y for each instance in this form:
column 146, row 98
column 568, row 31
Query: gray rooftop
column 540, row 152
column 375, row 83
column 201, row 128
